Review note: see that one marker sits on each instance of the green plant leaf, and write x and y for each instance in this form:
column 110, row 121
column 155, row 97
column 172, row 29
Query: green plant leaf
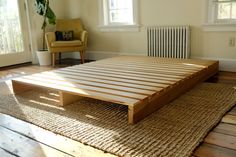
column 51, row 16
column 40, row 6
column 48, row 17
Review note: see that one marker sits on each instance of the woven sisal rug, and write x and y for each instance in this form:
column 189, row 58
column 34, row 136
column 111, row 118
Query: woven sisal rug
column 174, row 130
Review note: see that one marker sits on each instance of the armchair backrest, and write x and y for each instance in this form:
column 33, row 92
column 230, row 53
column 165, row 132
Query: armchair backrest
column 74, row 25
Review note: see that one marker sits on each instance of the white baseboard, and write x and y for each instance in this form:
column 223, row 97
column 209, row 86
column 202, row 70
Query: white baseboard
column 225, row 64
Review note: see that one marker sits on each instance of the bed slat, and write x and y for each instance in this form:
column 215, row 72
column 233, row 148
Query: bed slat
column 143, row 83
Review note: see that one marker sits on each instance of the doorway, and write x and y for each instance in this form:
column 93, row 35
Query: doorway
column 14, row 39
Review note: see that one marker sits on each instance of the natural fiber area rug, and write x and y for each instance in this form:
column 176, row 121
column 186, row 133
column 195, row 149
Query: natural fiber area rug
column 174, row 130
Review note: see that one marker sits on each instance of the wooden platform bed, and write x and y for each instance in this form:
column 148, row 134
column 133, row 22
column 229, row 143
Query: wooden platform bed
column 143, row 83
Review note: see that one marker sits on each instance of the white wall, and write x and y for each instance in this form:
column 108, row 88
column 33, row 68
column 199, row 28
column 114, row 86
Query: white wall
column 155, row 12
column 73, row 8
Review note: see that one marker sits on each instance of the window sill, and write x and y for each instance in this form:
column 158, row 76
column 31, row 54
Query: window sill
column 219, row 27
column 119, row 28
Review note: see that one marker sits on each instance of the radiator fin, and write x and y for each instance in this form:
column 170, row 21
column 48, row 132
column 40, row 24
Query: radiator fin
column 169, row 41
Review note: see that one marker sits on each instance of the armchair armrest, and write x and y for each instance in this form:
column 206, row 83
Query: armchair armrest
column 50, row 37
column 84, row 37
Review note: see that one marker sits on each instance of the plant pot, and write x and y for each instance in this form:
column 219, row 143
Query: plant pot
column 44, row 57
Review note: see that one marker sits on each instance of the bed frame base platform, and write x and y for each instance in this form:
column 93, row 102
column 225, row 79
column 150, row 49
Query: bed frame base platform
column 145, row 84
column 140, row 111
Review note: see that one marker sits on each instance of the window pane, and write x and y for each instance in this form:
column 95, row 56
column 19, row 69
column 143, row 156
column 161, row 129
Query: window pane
column 224, row 10
column 121, row 16
column 120, row 11
column 120, row 4
column 10, row 30
column 234, row 10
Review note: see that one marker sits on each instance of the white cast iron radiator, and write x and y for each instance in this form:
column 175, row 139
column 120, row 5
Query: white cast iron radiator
column 168, row 41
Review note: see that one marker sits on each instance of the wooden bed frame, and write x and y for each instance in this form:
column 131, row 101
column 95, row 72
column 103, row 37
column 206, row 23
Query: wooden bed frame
column 143, row 83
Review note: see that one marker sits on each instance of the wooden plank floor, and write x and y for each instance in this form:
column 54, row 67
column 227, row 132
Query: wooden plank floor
column 221, row 141
column 27, row 140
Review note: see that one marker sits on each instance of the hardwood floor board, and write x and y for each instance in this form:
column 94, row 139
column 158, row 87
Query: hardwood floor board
column 4, row 153
column 233, row 111
column 25, row 147
column 225, row 128
column 227, row 82
column 48, row 138
column 231, row 119
column 224, row 77
column 208, row 150
column 222, row 140
column 228, row 75
column 12, row 73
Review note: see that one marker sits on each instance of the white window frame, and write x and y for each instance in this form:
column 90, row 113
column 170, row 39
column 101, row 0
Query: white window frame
column 105, row 26
column 214, row 24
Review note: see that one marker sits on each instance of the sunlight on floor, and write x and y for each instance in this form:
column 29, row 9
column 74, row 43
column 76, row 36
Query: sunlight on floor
column 91, row 117
column 47, row 105
column 49, row 99
column 54, row 94
column 9, row 86
column 54, row 101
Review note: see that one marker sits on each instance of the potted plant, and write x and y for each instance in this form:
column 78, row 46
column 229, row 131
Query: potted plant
column 43, row 9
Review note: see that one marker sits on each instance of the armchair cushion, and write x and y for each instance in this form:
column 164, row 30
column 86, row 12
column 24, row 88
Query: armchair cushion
column 66, row 43
column 64, row 35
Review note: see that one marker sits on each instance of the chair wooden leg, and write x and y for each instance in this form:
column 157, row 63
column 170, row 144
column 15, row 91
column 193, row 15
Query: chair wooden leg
column 82, row 57
column 60, row 58
column 53, row 59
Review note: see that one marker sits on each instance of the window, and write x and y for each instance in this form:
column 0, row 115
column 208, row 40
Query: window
column 118, row 15
column 11, row 39
column 225, row 10
column 221, row 15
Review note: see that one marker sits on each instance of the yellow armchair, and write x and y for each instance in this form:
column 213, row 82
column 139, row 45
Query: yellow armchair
column 78, row 44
